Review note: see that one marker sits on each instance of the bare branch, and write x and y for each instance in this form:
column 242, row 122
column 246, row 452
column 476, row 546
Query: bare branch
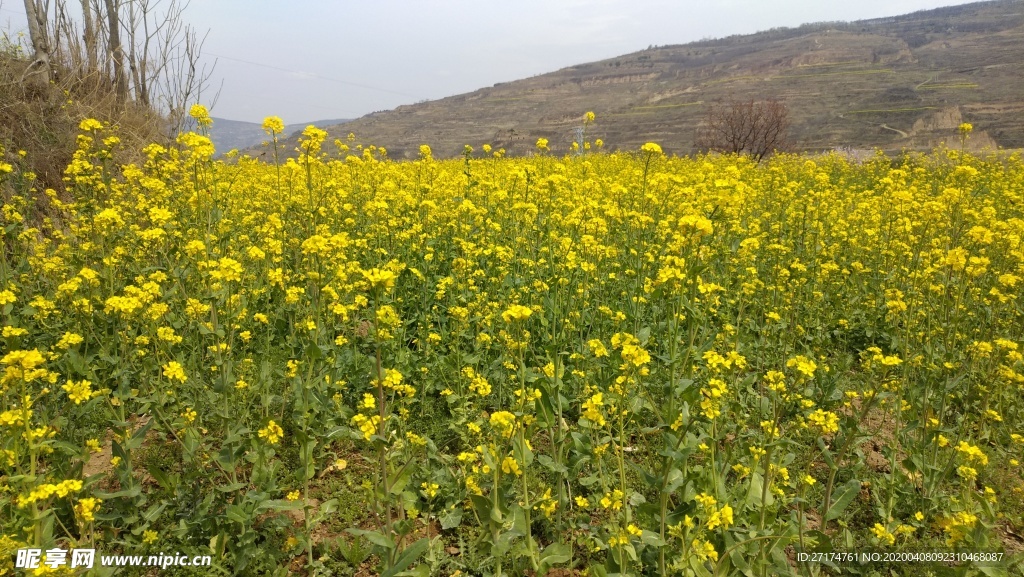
column 754, row 127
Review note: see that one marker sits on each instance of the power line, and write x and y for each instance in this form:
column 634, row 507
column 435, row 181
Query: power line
column 18, row 12
column 311, row 75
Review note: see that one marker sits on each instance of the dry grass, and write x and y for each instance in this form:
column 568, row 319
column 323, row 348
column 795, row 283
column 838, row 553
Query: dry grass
column 43, row 121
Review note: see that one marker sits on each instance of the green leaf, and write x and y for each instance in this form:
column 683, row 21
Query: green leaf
column 278, row 505
column 191, row 444
column 648, row 477
column 554, row 554
column 545, row 408
column 991, row 570
column 524, row 454
column 504, row 542
column 118, row 451
column 153, row 512
column 849, row 492
column 237, row 514
column 519, row 524
column 134, row 491
column 735, row 557
column 408, row 557
column 230, row 488
column 482, row 507
column 375, row 537
column 826, row 454
column 551, row 465
column 328, row 507
column 421, row 570
column 226, row 456
column 309, row 470
column 698, row 568
column 452, row 518
column 819, row 542
column 335, row 432
column 313, row 352
column 160, row 477
column 653, row 539
column 756, row 488
column 675, row 480
column 401, row 481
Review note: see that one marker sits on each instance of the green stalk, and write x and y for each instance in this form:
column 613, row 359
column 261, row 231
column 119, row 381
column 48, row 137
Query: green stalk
column 495, row 513
column 847, row 443
column 381, row 451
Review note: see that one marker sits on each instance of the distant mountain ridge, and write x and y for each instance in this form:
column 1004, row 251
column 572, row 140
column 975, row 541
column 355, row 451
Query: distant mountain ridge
column 230, row 134
column 903, row 82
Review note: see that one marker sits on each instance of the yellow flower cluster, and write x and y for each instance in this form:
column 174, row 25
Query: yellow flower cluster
column 958, row 526
column 592, row 410
column 367, row 425
column 24, row 366
column 477, row 383
column 503, row 422
column 509, row 465
column 825, row 422
column 87, row 508
column 516, row 313
column 381, row 279
column 631, row 351
column 883, row 535
column 273, row 125
column 612, row 500
column 393, row 380
column 80, row 391
column 47, row 490
column 174, row 371
column 804, row 366
column 711, row 398
column 272, row 432
column 720, row 518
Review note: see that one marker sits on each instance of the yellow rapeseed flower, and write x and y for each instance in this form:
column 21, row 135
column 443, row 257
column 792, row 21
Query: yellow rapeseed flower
column 272, row 433
column 273, row 125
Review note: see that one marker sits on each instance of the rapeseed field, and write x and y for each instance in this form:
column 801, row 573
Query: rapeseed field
column 599, row 363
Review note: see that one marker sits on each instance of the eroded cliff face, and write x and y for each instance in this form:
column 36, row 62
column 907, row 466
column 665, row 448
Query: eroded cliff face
column 940, row 129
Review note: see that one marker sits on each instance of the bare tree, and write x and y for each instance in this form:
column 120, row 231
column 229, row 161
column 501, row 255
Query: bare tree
column 116, row 49
column 754, row 127
column 144, row 49
column 89, row 36
column 36, row 11
column 182, row 80
column 164, row 56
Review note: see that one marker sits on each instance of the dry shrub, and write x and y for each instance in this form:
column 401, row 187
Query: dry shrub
column 753, row 127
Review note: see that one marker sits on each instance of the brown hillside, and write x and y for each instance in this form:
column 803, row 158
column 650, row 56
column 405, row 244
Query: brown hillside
column 893, row 83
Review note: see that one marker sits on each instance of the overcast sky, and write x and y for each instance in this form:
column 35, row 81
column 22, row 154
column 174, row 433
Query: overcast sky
column 305, row 60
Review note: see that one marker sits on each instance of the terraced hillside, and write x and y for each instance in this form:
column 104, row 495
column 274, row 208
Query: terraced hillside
column 893, row 83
